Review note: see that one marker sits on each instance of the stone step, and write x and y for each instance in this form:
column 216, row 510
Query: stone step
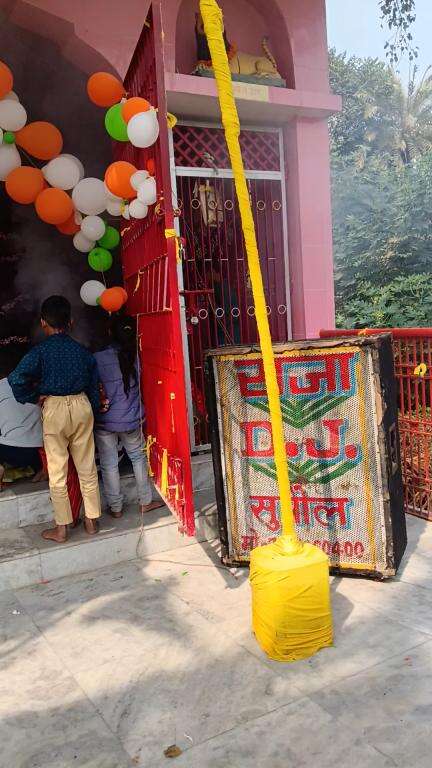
column 26, row 558
column 24, row 503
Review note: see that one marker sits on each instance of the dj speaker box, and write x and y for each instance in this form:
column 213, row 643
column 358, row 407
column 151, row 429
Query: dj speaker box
column 338, row 400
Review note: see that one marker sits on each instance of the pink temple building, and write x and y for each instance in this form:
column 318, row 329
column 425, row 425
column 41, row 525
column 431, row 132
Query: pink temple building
column 203, row 298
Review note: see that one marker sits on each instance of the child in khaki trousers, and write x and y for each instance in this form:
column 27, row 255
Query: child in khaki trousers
column 62, row 376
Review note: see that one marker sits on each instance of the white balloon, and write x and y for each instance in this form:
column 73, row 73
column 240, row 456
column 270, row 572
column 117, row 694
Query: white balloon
column 89, row 196
column 143, row 129
column 77, row 162
column 115, row 207
column 90, row 292
column 9, row 159
column 82, row 243
column 93, row 227
column 1, row 136
column 137, row 178
column 147, row 192
column 62, row 172
column 125, row 213
column 137, row 209
column 11, row 96
column 13, row 116
column 78, row 217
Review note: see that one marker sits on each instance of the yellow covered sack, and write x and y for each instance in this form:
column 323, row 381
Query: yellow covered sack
column 291, row 614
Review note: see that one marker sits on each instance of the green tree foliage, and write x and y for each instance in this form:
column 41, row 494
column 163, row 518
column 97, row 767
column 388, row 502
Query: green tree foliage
column 382, row 196
column 399, row 15
column 412, row 133
column 405, row 302
column 367, row 87
column 382, row 222
column 380, row 115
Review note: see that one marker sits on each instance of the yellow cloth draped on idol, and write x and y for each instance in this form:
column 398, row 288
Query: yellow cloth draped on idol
column 289, row 579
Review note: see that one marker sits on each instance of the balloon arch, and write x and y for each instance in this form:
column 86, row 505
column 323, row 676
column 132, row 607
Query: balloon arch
column 59, row 190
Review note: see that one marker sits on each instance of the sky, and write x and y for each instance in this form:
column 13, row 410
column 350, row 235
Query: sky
column 359, row 32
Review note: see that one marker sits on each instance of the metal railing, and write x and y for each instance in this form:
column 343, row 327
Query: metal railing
column 413, row 369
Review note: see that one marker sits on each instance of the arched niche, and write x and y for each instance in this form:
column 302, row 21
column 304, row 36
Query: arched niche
column 246, row 22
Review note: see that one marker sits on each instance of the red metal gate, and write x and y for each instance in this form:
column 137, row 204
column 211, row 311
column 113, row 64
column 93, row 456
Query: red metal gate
column 150, row 276
column 218, row 298
column 412, row 349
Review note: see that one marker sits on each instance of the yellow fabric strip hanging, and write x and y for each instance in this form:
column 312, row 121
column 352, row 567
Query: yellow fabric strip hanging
column 213, row 26
column 150, row 441
column 164, row 473
column 172, row 234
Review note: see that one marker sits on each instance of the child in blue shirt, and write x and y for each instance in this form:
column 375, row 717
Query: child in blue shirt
column 62, row 376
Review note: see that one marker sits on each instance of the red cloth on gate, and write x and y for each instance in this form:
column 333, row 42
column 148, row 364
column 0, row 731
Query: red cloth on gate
column 73, row 486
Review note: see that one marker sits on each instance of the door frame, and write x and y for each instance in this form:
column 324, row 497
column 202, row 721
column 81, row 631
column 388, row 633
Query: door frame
column 226, row 173
column 182, row 301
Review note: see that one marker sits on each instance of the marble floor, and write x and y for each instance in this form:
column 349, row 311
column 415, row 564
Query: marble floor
column 109, row 668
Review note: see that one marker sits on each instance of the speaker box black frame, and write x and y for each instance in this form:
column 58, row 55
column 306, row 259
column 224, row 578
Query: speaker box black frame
column 380, row 352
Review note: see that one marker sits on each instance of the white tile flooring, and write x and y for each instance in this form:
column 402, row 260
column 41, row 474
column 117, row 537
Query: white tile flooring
column 107, row 669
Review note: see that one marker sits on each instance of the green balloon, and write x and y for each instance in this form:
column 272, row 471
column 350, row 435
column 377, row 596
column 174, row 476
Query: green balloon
column 115, row 124
column 100, row 259
column 110, row 239
column 8, row 137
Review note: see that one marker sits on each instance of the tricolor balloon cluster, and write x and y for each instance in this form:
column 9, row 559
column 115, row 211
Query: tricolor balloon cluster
column 132, row 191
column 59, row 190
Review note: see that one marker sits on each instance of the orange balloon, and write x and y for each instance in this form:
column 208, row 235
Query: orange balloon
column 40, row 139
column 104, row 89
column 69, row 227
column 125, row 294
column 6, row 79
column 24, row 184
column 134, row 106
column 112, row 299
column 117, row 179
column 151, row 166
column 54, row 206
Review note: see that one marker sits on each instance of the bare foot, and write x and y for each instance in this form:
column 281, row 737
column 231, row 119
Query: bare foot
column 153, row 505
column 91, row 526
column 57, row 534
column 39, row 476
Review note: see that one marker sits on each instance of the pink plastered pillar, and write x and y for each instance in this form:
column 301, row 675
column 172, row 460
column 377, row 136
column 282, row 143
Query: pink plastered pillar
column 309, row 226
